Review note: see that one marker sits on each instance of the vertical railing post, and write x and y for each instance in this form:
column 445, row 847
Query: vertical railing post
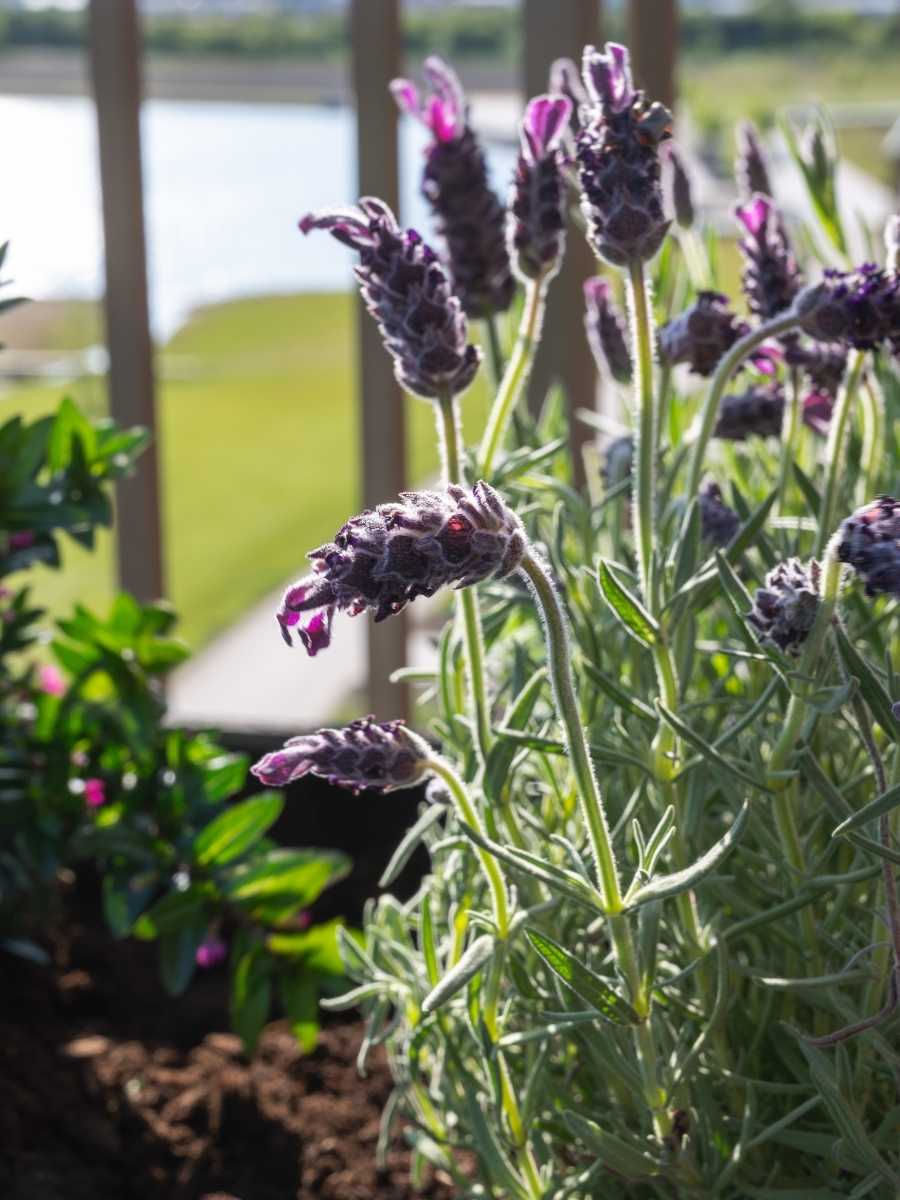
column 376, row 45
column 555, row 30
column 653, row 40
column 115, row 67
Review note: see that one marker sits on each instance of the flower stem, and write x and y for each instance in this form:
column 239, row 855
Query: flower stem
column 644, row 499
column 873, row 439
column 834, row 450
column 728, row 364
column 515, row 377
column 495, row 349
column 466, row 601
column 469, row 814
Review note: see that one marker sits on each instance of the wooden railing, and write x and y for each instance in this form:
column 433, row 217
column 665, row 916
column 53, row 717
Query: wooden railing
column 552, row 28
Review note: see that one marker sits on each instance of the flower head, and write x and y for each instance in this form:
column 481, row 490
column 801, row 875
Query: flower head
column 618, row 159
column 784, row 610
column 617, row 460
column 859, row 308
column 407, row 291
column 718, row 522
column 50, row 680
column 94, row 793
column 605, row 328
column 756, row 412
column 818, row 408
column 383, row 756
column 470, row 218
column 537, row 218
column 771, row 277
column 750, row 168
column 701, row 334
column 823, row 365
column 211, row 951
column 870, row 543
column 386, row 557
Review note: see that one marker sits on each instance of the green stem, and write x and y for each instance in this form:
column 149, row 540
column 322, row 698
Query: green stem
column 789, row 445
column 665, row 400
column 644, row 499
column 495, row 349
column 835, row 449
column 466, row 601
column 728, row 364
column 515, row 377
column 873, row 439
column 470, row 815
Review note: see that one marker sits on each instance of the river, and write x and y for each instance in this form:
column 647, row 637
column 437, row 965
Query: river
column 225, row 185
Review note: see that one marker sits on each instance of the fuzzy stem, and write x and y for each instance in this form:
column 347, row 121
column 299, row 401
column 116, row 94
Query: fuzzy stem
column 467, row 601
column 835, row 449
column 873, row 439
column 516, row 375
column 644, row 499
column 728, row 364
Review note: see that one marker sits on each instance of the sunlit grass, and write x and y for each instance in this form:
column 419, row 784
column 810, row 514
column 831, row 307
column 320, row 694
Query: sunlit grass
column 259, row 451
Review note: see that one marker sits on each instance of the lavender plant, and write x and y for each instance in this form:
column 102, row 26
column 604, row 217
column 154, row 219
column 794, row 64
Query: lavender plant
column 658, row 951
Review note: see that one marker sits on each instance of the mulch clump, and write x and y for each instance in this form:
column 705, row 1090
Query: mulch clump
column 110, row 1090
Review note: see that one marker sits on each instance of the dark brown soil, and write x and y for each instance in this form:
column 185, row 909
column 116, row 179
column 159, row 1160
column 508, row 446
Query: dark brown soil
column 109, row 1090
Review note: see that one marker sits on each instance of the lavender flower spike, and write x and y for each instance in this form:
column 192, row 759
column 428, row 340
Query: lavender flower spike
column 536, row 226
column 470, row 218
column 870, row 543
column 605, row 328
column 771, row 277
column 386, row 557
column 784, row 611
column 701, row 334
column 381, row 756
column 618, row 159
column 757, row 412
column 407, row 291
column 718, row 522
column 750, row 168
column 682, row 198
column 859, row 308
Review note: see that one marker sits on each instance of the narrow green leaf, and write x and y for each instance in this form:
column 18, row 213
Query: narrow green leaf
column 554, row 877
column 709, row 751
column 882, row 804
column 870, row 685
column 664, row 886
column 502, row 753
column 619, row 696
column 587, row 985
column 617, row 1154
column 429, row 949
column 409, row 842
column 631, row 613
column 232, row 833
column 470, row 963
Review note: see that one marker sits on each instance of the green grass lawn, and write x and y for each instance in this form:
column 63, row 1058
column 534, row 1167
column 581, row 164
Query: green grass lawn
column 259, row 449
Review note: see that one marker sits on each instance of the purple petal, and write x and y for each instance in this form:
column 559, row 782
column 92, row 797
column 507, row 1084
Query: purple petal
column 406, row 94
column 607, row 77
column 282, row 767
column 311, row 593
column 753, row 216
column 596, row 290
column 546, row 119
column 348, row 225
column 315, row 631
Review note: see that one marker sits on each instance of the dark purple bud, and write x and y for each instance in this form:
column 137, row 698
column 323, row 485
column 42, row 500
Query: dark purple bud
column 771, row 276
column 756, row 412
column 537, row 221
column 617, row 460
column 606, row 332
column 859, row 308
column 718, row 522
column 892, row 244
column 750, row 168
column 471, row 220
column 682, row 199
column 870, row 543
column 618, row 160
column 784, row 611
column 701, row 334
column 386, row 557
column 408, row 293
column 824, row 366
column 382, row 756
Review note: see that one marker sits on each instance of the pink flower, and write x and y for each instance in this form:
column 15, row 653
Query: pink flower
column 94, row 793
column 21, row 540
column 50, row 680
column 211, row 951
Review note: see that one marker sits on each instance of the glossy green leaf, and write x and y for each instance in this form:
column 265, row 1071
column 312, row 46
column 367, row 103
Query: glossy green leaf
column 232, row 833
column 251, row 992
column 275, row 886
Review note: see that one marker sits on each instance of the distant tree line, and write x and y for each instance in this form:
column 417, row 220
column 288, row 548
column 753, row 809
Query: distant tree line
column 482, row 33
